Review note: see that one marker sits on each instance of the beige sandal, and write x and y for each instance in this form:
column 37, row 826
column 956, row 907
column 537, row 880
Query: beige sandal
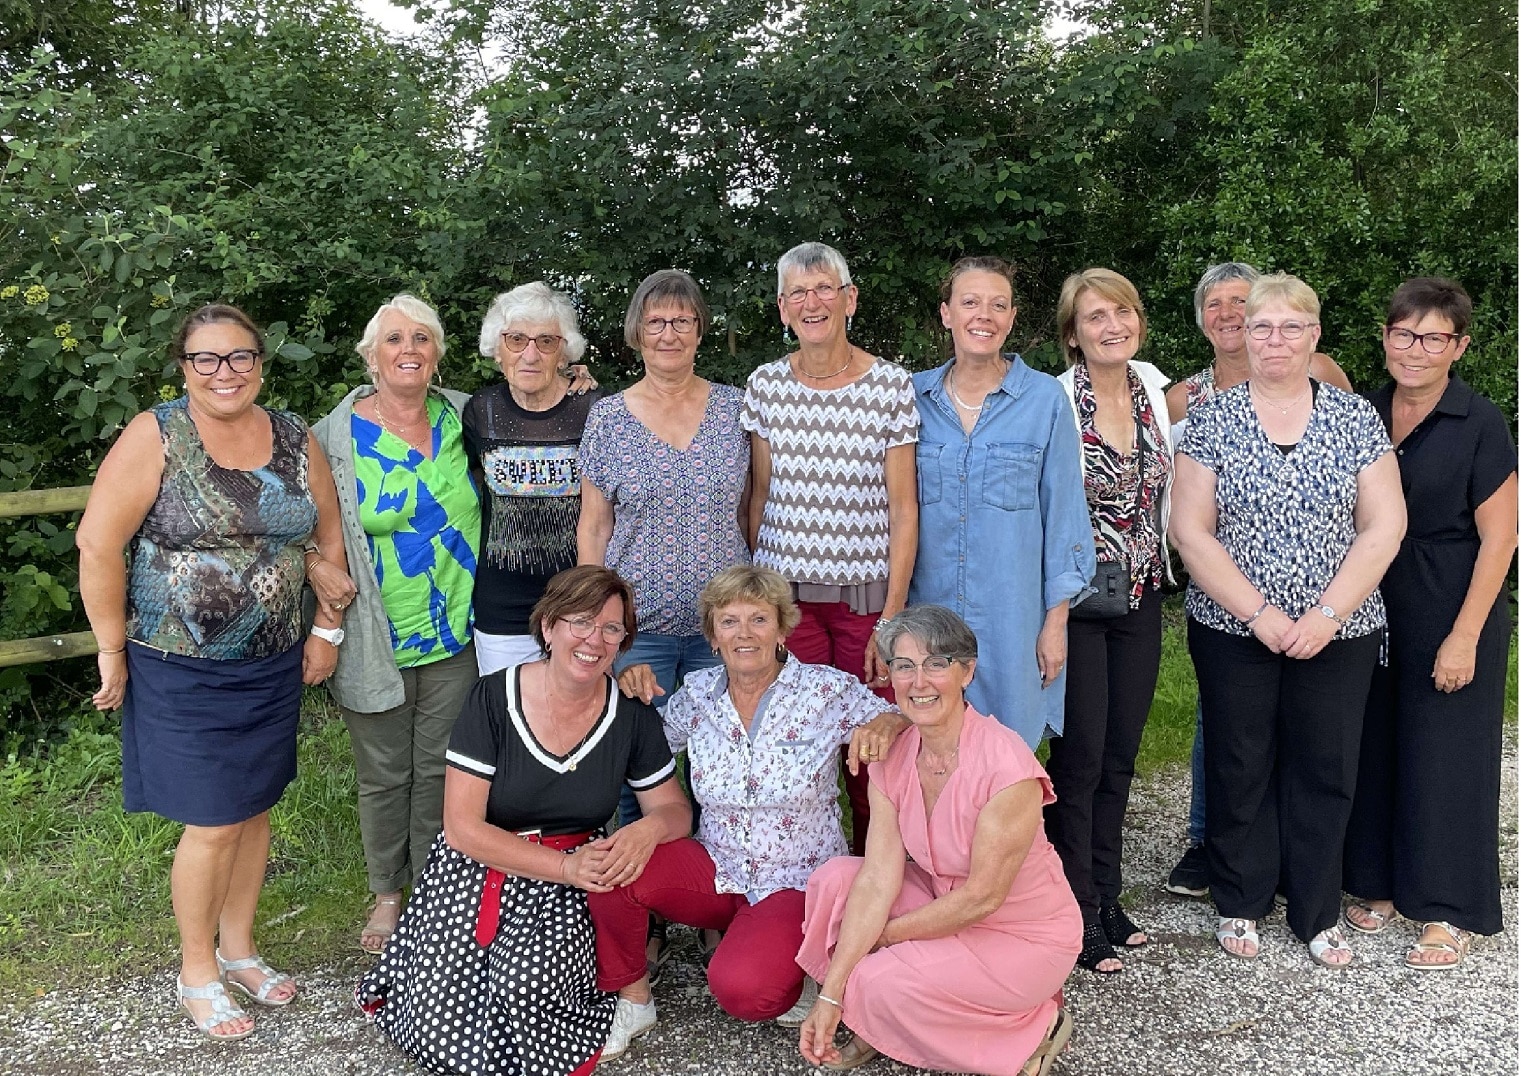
column 1373, row 920
column 853, row 1055
column 370, row 930
column 1458, row 947
column 1054, row 1043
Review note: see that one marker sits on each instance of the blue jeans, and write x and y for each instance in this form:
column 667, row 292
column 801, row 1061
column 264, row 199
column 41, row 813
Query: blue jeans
column 670, row 658
column 1196, row 797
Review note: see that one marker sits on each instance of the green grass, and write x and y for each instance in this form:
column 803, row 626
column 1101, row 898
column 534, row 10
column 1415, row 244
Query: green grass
column 84, row 887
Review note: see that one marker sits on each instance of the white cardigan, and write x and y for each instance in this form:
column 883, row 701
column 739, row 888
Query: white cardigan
column 1155, row 383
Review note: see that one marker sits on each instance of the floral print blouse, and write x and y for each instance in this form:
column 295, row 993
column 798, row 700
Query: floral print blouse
column 770, row 808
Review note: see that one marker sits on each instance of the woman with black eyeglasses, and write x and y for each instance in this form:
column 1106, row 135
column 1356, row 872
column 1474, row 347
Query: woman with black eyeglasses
column 522, row 435
column 1286, row 508
column 201, row 643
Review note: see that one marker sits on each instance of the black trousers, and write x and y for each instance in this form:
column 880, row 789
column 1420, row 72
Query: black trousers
column 1111, row 676
column 1281, row 740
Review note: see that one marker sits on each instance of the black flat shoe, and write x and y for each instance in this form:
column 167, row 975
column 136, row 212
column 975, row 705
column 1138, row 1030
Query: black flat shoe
column 1096, row 950
column 1118, row 927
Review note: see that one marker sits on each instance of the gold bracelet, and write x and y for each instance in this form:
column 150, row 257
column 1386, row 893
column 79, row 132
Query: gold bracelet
column 122, row 649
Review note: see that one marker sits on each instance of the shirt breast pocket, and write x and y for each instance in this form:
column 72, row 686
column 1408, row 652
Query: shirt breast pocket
column 927, row 463
column 1011, row 476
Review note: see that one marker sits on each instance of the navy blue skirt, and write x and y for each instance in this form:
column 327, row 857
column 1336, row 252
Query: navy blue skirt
column 208, row 742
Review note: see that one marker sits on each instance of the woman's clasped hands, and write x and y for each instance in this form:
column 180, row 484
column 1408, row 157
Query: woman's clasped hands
column 609, row 863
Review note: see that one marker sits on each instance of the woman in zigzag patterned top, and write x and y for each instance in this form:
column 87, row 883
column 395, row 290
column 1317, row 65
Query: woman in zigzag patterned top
column 834, row 506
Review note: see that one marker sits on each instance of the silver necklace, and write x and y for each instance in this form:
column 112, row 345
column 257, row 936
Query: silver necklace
column 950, row 389
column 944, row 765
column 1282, row 409
column 850, row 357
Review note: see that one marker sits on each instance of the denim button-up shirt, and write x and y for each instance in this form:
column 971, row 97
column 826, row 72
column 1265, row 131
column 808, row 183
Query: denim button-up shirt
column 1004, row 533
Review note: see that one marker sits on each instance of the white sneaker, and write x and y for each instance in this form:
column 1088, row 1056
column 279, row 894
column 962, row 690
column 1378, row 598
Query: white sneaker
column 629, row 1022
column 795, row 1016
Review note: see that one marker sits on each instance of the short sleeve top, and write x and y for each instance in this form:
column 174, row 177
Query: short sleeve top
column 556, row 794
column 675, row 512
column 216, row 565
column 1286, row 519
column 825, row 519
column 770, row 807
column 422, row 518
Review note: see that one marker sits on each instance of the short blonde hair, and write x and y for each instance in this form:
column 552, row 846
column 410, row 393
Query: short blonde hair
column 1107, row 283
column 748, row 583
column 1282, row 288
column 409, row 306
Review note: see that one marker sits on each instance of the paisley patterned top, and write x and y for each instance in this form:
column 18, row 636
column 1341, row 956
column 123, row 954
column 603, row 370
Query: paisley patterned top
column 1123, row 530
column 216, row 565
column 1286, row 518
column 1198, row 388
column 770, row 809
column 423, row 521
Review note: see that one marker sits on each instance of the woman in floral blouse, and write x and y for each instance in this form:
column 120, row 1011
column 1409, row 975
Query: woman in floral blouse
column 762, row 733
column 1112, row 654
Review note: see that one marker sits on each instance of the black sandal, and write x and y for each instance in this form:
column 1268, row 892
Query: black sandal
column 1118, row 927
column 1096, row 950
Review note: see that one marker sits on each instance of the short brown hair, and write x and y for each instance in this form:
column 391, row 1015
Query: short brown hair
column 664, row 286
column 580, row 591
column 978, row 263
column 213, row 314
column 748, row 583
column 1111, row 286
column 1432, row 295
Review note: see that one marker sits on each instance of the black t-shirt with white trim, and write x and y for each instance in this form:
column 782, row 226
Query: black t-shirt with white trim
column 534, row 789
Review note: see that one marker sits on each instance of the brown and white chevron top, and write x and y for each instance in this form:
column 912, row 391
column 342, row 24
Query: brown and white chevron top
column 825, row 519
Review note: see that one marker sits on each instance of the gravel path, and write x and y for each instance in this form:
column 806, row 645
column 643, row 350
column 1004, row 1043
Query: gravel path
column 1181, row 1008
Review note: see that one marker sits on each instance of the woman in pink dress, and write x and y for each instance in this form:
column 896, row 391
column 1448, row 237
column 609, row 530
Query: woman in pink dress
column 956, row 959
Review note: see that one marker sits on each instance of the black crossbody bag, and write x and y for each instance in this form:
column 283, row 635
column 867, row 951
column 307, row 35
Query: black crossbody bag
column 1107, row 594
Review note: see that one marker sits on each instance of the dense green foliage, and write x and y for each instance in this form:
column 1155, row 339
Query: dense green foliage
column 155, row 155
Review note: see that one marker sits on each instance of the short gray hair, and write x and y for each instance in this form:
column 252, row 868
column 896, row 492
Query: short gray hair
column 1216, row 275
column 664, row 286
column 409, row 306
column 806, row 256
column 938, row 630
column 532, row 302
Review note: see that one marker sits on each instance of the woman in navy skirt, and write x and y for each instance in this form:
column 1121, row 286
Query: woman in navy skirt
column 201, row 642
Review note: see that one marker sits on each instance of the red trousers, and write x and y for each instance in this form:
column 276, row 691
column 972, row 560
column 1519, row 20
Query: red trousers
column 830, row 634
column 753, row 974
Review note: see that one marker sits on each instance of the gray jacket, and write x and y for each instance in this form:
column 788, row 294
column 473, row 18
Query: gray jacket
column 366, row 680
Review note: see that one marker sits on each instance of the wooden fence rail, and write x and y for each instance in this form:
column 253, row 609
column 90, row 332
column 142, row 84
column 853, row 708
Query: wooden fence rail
column 77, row 644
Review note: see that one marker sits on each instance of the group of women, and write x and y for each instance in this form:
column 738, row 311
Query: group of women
column 784, row 578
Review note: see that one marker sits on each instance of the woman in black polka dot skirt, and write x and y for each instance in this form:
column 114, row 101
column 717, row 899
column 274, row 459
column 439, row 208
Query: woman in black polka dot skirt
column 491, row 969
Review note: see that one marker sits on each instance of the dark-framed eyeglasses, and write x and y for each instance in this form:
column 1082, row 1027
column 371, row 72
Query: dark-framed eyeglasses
column 683, row 325
column 1289, row 330
column 207, row 363
column 933, row 663
column 581, row 627
column 827, row 293
column 547, row 343
column 1431, row 343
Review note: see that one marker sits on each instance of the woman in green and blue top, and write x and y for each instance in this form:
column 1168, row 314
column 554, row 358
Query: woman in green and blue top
column 411, row 528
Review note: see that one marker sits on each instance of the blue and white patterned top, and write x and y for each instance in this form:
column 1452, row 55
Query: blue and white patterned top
column 1286, row 518
column 675, row 513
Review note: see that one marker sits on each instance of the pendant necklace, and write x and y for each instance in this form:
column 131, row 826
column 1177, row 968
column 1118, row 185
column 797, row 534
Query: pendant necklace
column 944, row 765
column 1282, row 409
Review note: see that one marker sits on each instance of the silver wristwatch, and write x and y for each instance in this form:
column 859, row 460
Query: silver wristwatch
column 331, row 635
column 1328, row 611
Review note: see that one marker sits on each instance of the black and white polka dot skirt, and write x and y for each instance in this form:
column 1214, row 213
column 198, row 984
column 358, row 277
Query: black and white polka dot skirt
column 525, row 1003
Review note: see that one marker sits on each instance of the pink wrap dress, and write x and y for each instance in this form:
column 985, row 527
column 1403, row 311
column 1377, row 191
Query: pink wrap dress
column 982, row 999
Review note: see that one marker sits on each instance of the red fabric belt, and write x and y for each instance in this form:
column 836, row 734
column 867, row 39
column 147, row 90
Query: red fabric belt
column 489, row 918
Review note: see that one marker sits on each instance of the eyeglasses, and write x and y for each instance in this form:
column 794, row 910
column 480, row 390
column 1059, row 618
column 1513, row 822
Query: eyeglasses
column 582, row 627
column 1431, row 343
column 547, row 343
column 934, row 663
column 656, row 326
column 1289, row 330
column 207, row 363
column 825, row 292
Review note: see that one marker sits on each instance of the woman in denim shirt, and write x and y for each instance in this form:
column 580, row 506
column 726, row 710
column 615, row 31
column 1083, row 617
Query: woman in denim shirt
column 1004, row 536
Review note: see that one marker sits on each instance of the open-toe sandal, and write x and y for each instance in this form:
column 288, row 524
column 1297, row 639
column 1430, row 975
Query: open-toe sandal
column 1096, row 949
column 369, row 930
column 1373, row 920
column 223, row 1009
column 1054, row 1043
column 1243, row 929
column 1458, row 947
column 1118, row 927
column 272, row 980
column 853, row 1055
column 1330, row 940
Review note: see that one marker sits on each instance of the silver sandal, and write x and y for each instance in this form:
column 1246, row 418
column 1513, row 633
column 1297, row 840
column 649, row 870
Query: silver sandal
column 223, row 1011
column 272, row 979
